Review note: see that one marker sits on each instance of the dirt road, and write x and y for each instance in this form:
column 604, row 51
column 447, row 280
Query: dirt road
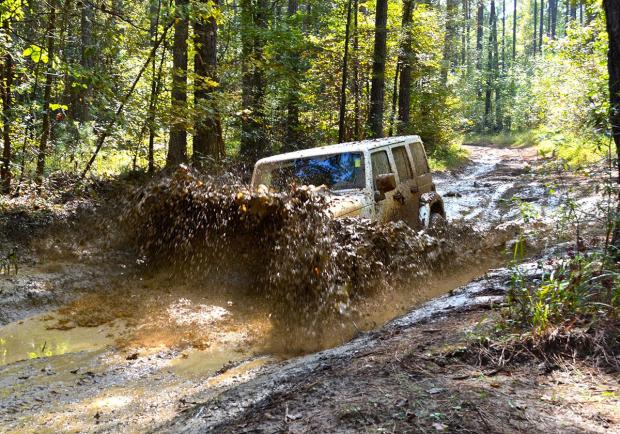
column 101, row 349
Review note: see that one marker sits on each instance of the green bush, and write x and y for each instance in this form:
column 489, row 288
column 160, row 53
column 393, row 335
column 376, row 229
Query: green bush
column 580, row 285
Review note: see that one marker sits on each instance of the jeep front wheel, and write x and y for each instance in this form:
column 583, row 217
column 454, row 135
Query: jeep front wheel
column 436, row 220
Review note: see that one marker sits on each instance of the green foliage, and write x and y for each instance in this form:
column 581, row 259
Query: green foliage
column 556, row 100
column 565, row 147
column 585, row 285
column 36, row 54
column 448, row 157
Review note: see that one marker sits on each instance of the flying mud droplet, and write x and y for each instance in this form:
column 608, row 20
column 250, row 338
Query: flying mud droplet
column 310, row 268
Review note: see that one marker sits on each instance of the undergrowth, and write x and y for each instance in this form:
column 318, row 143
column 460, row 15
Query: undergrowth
column 583, row 286
column 571, row 311
column 572, row 149
column 447, row 158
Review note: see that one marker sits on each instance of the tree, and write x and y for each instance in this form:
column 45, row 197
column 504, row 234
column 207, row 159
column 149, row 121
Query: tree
column 177, row 146
column 449, row 51
column 479, row 33
column 464, row 32
column 155, row 13
column 514, row 31
column 375, row 115
column 47, row 92
column 535, row 41
column 491, row 67
column 343, row 86
column 254, row 22
column 81, row 107
column 540, row 29
column 357, row 133
column 612, row 18
column 553, row 17
column 405, row 60
column 293, row 135
column 6, row 94
column 208, row 140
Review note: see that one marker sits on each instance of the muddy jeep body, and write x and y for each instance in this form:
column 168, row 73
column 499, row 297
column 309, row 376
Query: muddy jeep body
column 382, row 180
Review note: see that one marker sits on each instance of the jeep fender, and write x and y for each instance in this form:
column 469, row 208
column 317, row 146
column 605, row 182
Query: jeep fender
column 430, row 203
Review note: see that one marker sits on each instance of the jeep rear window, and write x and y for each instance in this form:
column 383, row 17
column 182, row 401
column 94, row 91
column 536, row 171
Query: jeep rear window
column 343, row 171
column 402, row 163
column 419, row 158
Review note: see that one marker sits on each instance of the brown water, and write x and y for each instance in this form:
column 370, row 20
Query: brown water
column 32, row 338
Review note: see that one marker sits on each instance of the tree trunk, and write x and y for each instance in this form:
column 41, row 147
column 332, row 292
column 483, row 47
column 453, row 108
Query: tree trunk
column 394, row 100
column 612, row 17
column 47, row 92
column 540, row 28
column 208, row 139
column 514, row 31
column 87, row 55
column 406, row 60
column 503, row 34
column 154, row 12
column 7, row 118
column 343, row 85
column 535, row 25
column 487, row 122
column 553, row 17
column 449, row 41
column 293, row 138
column 356, row 76
column 464, row 35
column 375, row 115
column 479, row 33
column 254, row 21
column 177, row 147
column 499, row 122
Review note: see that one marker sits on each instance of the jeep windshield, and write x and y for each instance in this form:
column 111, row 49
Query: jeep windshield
column 343, row 171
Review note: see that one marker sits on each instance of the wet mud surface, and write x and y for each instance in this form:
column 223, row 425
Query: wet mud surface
column 111, row 344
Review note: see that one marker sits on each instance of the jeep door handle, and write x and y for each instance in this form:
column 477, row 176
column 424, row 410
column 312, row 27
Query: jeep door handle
column 398, row 197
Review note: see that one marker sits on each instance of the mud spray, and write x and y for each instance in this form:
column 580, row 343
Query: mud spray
column 311, row 270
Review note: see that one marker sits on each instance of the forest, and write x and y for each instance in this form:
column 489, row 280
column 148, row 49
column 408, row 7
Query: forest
column 104, row 88
column 181, row 250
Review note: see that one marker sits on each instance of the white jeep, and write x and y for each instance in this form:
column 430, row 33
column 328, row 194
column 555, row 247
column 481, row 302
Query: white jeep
column 382, row 179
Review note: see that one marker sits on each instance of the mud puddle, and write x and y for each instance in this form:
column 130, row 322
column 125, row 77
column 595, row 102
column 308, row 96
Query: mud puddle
column 33, row 338
column 141, row 370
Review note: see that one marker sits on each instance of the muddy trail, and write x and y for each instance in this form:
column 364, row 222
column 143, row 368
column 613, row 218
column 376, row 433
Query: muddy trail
column 135, row 338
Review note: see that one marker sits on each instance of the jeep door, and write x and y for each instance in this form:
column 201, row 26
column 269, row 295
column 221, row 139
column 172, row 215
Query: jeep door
column 406, row 194
column 386, row 208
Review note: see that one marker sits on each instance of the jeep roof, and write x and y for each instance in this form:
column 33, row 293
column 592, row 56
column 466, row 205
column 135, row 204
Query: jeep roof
column 359, row 146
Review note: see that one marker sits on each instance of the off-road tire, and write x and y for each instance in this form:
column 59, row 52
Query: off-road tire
column 436, row 221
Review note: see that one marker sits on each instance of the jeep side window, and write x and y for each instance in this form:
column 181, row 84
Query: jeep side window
column 419, row 158
column 402, row 163
column 380, row 165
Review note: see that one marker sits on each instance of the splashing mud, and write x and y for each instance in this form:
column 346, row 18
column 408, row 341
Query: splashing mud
column 309, row 268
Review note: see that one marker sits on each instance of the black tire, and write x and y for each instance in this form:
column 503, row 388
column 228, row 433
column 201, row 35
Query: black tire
column 436, row 221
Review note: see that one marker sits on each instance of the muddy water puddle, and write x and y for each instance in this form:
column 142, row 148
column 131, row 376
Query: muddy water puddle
column 133, row 357
column 34, row 338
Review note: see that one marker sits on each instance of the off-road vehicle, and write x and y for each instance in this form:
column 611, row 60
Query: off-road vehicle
column 383, row 179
